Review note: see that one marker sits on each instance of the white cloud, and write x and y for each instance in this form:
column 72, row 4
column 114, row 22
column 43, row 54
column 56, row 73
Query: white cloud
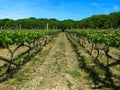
column 95, row 4
column 116, row 7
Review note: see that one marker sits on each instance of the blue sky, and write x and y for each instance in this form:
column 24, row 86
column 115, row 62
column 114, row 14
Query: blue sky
column 59, row 9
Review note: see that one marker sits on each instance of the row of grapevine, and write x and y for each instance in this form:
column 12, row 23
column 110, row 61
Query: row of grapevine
column 102, row 49
column 104, row 37
column 16, row 37
column 20, row 47
column 100, row 40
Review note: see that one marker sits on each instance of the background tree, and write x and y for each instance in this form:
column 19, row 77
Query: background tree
column 102, row 21
column 10, row 24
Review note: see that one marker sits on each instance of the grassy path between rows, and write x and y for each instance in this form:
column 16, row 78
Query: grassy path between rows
column 55, row 68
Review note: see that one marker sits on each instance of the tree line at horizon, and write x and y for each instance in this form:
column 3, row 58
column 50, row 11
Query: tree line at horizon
column 102, row 21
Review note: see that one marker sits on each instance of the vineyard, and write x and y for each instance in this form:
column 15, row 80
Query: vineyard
column 18, row 47
column 70, row 60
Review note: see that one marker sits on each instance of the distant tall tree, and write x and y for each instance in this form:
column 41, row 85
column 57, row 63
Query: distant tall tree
column 10, row 24
column 3, row 22
column 53, row 23
column 108, row 24
column 115, row 17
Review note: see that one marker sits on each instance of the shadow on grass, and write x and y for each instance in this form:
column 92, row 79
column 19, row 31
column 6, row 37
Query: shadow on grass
column 99, row 82
column 9, row 73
